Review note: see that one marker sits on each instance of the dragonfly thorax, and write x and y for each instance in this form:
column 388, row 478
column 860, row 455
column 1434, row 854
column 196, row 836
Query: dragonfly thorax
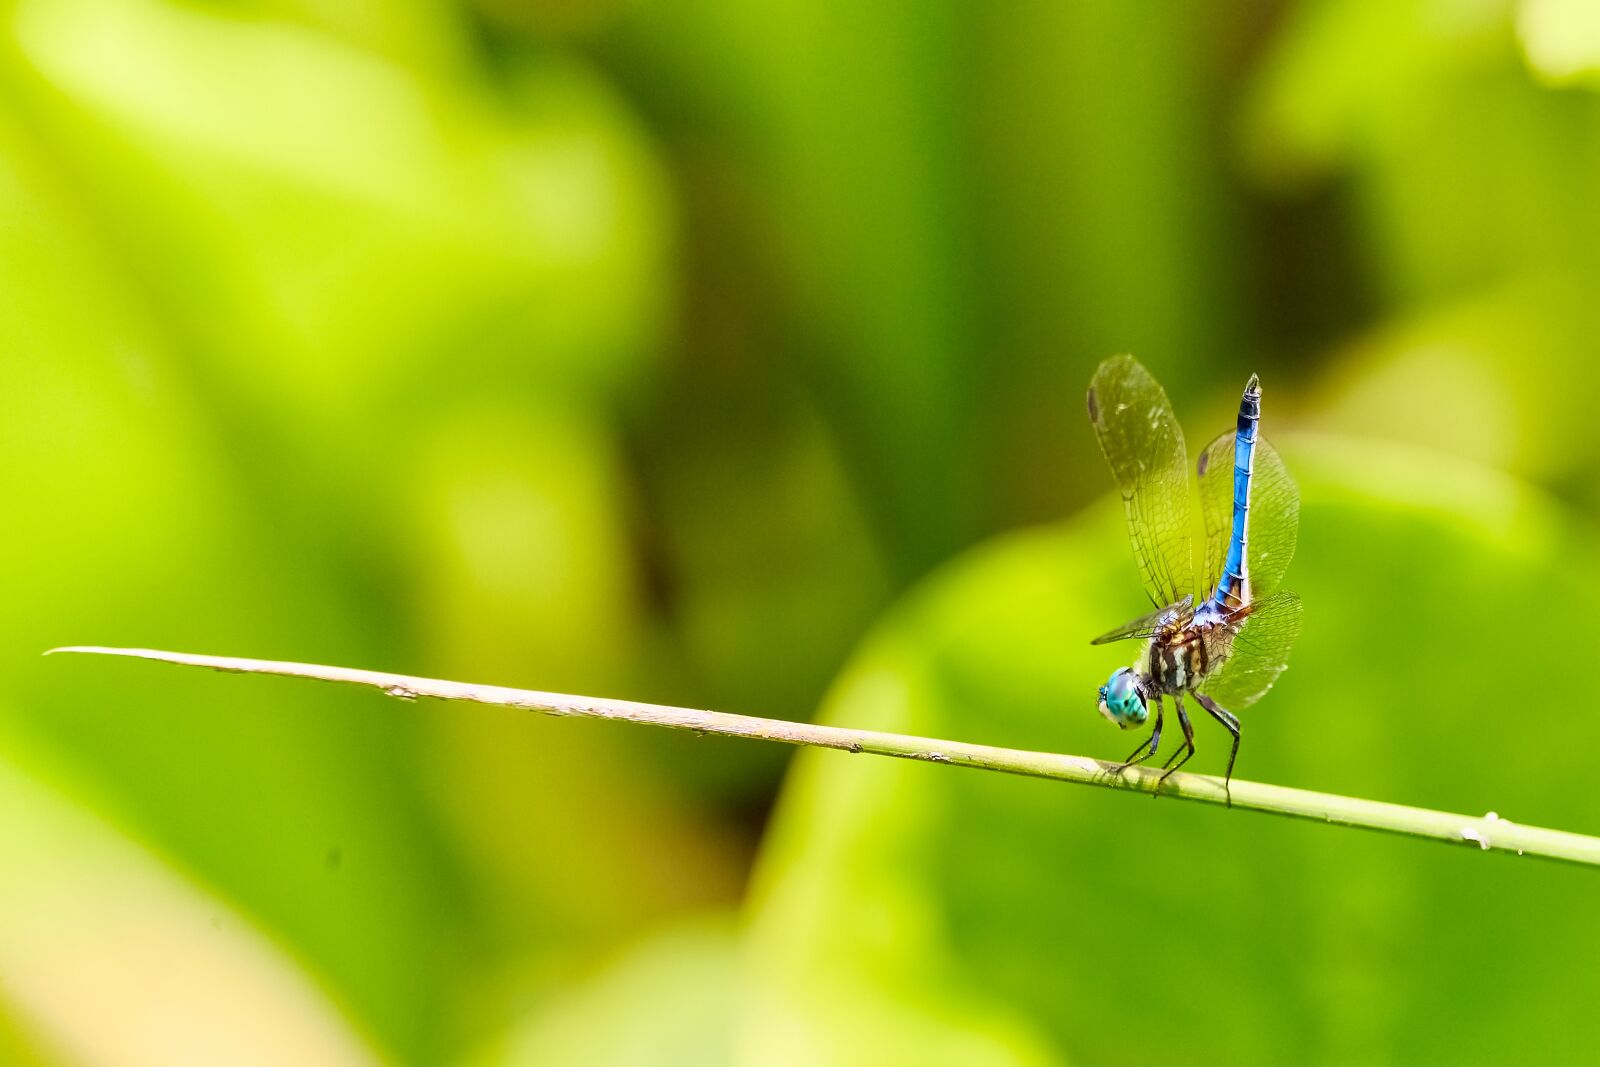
column 1179, row 660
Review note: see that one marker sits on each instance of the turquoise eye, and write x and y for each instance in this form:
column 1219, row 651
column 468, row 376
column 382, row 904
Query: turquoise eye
column 1122, row 702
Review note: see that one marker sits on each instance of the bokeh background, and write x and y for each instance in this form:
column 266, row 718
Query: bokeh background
column 732, row 355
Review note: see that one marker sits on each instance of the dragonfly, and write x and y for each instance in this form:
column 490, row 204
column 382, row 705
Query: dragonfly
column 1225, row 650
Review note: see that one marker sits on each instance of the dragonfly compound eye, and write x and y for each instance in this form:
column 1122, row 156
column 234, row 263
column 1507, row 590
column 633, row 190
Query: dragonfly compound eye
column 1122, row 702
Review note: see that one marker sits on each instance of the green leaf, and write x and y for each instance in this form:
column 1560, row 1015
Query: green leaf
column 1444, row 638
column 110, row 956
column 667, row 1001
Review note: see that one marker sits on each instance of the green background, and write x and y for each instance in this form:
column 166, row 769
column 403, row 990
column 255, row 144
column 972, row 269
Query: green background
column 732, row 355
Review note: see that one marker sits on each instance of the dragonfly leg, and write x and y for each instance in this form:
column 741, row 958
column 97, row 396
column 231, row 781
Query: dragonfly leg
column 1229, row 722
column 1152, row 743
column 1187, row 748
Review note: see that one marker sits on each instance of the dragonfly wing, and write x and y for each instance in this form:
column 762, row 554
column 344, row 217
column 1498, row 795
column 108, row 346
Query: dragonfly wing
column 1274, row 513
column 1260, row 653
column 1144, row 446
column 1148, row 625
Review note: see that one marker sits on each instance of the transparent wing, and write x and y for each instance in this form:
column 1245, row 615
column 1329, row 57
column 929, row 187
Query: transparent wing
column 1144, row 445
column 1147, row 625
column 1274, row 514
column 1260, row 653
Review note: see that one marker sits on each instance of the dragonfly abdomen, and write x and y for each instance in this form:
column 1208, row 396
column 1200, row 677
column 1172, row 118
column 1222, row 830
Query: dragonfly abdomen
column 1233, row 587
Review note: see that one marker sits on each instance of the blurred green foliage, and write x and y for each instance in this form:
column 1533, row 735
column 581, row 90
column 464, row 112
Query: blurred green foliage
column 666, row 350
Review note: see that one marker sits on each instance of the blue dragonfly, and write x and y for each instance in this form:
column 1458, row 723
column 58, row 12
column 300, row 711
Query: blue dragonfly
column 1226, row 650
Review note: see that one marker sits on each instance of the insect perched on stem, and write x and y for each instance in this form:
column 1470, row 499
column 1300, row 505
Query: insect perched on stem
column 1227, row 650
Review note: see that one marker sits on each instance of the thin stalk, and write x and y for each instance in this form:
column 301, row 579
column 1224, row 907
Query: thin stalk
column 1488, row 833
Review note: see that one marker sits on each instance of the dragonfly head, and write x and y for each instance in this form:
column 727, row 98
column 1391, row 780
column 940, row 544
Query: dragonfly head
column 1122, row 700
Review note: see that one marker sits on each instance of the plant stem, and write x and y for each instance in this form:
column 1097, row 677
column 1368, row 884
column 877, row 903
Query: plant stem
column 1487, row 833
